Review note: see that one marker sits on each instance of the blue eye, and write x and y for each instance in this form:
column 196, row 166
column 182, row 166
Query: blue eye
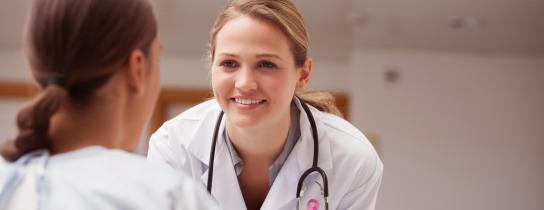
column 267, row 65
column 229, row 64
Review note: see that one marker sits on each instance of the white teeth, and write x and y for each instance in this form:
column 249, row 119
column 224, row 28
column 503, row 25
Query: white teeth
column 247, row 101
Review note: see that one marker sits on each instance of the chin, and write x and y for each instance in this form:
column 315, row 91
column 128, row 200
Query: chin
column 242, row 121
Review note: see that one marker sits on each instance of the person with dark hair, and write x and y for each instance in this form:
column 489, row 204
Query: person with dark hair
column 97, row 63
column 263, row 143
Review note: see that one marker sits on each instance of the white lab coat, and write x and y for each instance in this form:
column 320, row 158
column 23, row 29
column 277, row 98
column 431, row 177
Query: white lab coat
column 353, row 168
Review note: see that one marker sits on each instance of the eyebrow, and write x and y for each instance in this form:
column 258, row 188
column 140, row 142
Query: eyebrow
column 269, row 55
column 228, row 55
column 258, row 55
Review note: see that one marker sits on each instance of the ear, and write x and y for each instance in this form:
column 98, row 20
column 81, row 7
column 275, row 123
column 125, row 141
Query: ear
column 304, row 75
column 135, row 72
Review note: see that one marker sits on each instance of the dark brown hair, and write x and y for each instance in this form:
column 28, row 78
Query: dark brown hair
column 74, row 47
column 285, row 16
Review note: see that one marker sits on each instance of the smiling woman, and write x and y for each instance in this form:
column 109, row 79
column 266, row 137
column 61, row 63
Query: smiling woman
column 273, row 150
column 254, row 75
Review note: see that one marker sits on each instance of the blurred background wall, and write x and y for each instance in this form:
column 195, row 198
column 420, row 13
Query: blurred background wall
column 451, row 90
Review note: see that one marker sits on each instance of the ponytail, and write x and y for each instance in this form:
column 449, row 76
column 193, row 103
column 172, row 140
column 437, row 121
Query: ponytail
column 33, row 123
column 323, row 101
column 72, row 52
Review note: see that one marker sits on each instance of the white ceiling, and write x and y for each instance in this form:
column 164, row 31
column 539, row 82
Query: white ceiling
column 338, row 27
column 509, row 26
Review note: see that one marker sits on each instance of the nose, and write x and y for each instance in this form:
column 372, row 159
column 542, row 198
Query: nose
column 246, row 80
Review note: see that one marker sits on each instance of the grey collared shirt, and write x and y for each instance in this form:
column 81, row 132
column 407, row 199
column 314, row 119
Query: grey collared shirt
column 292, row 137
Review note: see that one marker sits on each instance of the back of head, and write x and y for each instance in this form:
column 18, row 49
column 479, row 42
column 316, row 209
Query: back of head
column 74, row 47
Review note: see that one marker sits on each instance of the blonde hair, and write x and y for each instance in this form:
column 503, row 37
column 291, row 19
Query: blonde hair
column 281, row 13
column 323, row 101
column 285, row 16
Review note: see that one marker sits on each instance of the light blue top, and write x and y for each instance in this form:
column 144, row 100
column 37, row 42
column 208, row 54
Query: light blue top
column 100, row 178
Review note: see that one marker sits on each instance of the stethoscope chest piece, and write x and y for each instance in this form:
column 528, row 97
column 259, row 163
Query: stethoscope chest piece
column 313, row 195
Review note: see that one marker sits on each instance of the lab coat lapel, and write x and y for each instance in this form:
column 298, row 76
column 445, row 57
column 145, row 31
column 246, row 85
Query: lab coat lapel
column 282, row 194
column 283, row 190
column 225, row 187
column 201, row 139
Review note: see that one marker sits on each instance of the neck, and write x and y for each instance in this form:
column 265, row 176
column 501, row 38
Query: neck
column 74, row 128
column 261, row 145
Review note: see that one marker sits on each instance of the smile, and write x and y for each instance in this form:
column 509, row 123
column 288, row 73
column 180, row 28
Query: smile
column 248, row 101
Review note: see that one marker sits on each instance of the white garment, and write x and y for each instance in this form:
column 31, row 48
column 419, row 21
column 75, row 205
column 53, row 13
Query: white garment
column 25, row 197
column 99, row 178
column 353, row 168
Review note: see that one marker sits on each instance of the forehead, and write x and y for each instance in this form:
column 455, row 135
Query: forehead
column 245, row 34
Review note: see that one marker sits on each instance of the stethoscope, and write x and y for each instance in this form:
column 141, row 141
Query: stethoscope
column 312, row 203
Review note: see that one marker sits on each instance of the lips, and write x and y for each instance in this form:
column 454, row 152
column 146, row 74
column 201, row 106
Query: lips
column 246, row 104
column 248, row 101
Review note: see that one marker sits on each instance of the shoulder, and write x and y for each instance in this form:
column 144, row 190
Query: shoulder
column 349, row 146
column 129, row 180
column 165, row 184
column 341, row 132
column 5, row 169
column 132, row 167
column 118, row 172
column 4, row 164
column 184, row 126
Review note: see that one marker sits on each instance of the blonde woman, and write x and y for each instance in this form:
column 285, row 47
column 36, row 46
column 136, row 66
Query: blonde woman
column 257, row 145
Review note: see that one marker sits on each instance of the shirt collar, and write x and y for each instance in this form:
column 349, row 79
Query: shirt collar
column 292, row 137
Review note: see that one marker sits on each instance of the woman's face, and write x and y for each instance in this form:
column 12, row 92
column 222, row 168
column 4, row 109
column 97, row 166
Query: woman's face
column 254, row 77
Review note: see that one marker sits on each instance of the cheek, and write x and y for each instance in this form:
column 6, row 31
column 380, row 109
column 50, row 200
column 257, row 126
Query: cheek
column 283, row 87
column 221, row 83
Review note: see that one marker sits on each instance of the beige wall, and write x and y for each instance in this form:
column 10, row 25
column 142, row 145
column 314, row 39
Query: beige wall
column 13, row 66
column 188, row 71
column 176, row 71
column 456, row 131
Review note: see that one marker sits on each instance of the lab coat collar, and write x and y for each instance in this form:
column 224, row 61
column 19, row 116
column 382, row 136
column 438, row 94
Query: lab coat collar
column 283, row 191
column 201, row 140
column 225, row 187
column 305, row 156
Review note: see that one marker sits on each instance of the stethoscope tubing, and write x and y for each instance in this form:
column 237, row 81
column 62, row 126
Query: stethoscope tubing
column 212, row 155
column 314, row 168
